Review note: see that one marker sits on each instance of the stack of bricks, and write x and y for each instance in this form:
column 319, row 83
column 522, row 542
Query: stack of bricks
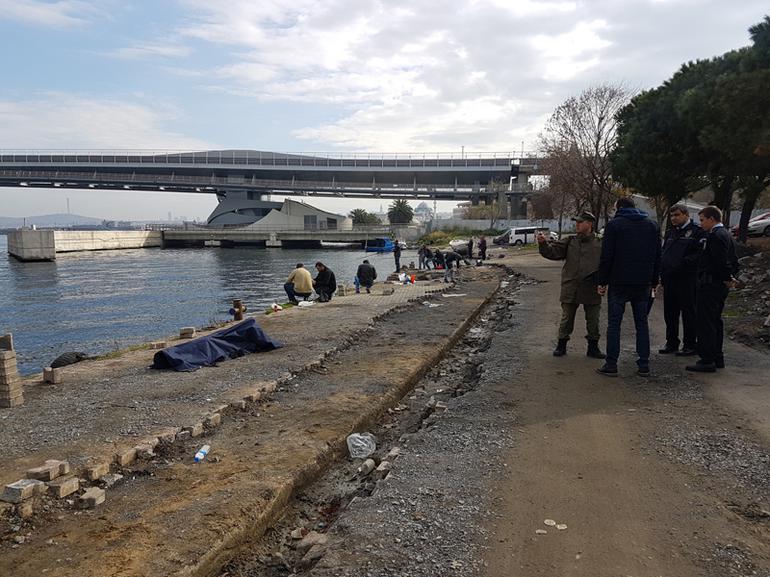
column 11, row 392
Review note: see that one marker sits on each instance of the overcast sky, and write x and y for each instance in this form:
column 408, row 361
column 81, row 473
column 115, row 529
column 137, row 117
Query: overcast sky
column 336, row 75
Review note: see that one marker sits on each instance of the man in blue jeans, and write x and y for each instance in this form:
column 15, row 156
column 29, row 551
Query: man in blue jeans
column 629, row 268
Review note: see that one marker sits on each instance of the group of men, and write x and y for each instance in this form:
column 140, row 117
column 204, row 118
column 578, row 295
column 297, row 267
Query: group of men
column 301, row 284
column 696, row 265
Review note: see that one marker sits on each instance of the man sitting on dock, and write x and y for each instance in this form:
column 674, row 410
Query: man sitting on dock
column 365, row 276
column 325, row 283
column 299, row 284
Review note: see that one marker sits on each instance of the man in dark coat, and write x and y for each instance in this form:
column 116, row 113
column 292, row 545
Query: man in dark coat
column 483, row 248
column 630, row 267
column 580, row 254
column 397, row 255
column 365, row 276
column 717, row 269
column 678, row 267
column 325, row 283
column 470, row 247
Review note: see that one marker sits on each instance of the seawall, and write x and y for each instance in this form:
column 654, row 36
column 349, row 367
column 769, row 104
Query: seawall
column 32, row 245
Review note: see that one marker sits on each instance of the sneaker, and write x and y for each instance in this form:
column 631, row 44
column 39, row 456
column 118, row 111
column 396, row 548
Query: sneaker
column 608, row 370
column 368, row 292
column 643, row 371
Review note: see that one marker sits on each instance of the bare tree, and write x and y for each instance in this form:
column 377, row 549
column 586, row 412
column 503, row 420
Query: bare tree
column 578, row 140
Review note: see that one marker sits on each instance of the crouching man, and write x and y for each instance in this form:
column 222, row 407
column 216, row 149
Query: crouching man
column 580, row 254
column 299, row 284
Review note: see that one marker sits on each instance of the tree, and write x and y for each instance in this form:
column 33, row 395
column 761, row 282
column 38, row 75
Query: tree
column 578, row 141
column 400, row 212
column 362, row 217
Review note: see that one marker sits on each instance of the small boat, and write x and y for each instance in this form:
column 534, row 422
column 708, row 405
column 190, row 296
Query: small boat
column 379, row 245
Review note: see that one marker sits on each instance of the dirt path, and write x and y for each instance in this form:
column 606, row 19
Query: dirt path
column 592, row 455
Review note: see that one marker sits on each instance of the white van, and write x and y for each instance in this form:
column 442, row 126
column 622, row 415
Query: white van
column 522, row 235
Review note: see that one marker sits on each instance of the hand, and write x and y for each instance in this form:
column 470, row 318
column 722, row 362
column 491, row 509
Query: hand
column 602, row 289
column 732, row 283
column 540, row 238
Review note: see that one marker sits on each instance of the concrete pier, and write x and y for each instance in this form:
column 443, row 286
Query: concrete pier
column 36, row 245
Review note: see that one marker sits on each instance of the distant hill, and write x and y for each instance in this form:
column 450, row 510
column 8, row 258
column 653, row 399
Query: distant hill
column 49, row 221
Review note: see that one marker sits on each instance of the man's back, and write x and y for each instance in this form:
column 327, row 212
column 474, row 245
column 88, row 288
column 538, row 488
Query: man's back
column 303, row 281
column 366, row 273
column 630, row 250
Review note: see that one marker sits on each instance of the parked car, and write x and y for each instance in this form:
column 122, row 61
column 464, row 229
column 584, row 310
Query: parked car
column 522, row 235
column 758, row 226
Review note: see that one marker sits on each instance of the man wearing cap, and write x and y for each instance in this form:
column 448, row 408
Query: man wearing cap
column 580, row 254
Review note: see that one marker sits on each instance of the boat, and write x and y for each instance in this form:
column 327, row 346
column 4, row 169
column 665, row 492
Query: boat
column 379, row 245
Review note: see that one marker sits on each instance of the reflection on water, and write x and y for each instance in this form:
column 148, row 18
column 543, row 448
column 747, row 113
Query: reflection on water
column 96, row 302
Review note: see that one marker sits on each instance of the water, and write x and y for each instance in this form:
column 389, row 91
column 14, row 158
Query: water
column 97, row 302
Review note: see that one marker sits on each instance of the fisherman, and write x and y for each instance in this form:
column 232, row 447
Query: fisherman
column 299, row 284
column 397, row 254
column 324, row 283
column 365, row 276
column 483, row 248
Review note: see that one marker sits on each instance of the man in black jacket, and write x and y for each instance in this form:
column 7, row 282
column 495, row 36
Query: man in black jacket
column 365, row 276
column 630, row 266
column 325, row 283
column 717, row 268
column 678, row 267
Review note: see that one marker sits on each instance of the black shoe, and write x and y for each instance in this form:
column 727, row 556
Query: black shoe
column 295, row 302
column 594, row 351
column 643, row 371
column 719, row 363
column 686, row 352
column 701, row 367
column 667, row 350
column 608, row 370
column 561, row 348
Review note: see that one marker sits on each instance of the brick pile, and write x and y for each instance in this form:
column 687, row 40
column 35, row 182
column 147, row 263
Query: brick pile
column 11, row 391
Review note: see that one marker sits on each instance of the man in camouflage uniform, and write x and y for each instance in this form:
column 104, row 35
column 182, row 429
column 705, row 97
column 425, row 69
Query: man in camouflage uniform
column 580, row 254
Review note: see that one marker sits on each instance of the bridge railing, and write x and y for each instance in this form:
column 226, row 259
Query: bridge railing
column 268, row 159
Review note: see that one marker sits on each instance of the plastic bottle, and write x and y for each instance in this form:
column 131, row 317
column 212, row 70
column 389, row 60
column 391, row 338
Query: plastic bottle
column 201, row 454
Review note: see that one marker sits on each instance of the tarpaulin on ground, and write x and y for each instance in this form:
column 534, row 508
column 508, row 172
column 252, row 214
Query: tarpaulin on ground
column 236, row 341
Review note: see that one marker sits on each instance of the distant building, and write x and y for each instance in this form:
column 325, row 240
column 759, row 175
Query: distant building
column 294, row 215
column 423, row 213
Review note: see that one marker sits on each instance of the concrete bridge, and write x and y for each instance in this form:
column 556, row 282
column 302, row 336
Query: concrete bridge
column 240, row 178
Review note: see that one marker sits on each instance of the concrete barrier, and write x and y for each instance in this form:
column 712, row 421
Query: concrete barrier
column 32, row 245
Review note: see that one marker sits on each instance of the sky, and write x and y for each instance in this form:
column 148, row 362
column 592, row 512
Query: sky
column 331, row 76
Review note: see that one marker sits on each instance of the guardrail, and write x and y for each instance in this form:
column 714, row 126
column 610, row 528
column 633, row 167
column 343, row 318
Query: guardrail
column 270, row 159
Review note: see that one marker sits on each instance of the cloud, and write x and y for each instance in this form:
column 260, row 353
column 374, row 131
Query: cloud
column 148, row 51
column 61, row 14
column 67, row 121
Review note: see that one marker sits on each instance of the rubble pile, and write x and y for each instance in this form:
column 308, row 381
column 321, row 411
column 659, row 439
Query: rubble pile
column 750, row 303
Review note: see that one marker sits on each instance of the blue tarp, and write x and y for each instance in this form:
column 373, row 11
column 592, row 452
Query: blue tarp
column 236, row 341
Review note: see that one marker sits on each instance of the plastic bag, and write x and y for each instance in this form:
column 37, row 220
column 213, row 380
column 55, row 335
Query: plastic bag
column 361, row 445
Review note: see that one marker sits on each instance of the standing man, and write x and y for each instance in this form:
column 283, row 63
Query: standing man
column 580, row 254
column 325, row 283
column 365, row 276
column 717, row 267
column 421, row 257
column 470, row 247
column 483, row 248
column 629, row 266
column 299, row 284
column 397, row 254
column 678, row 268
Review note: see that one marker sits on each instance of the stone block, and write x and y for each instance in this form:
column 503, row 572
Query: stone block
column 183, row 435
column 25, row 510
column 52, row 376
column 269, row 387
column 125, row 458
column 64, row 486
column 22, row 490
column 91, row 498
column 167, row 437
column 10, row 402
column 9, row 379
column 253, row 397
column 97, row 471
column 144, row 451
column 47, row 472
column 111, row 479
column 240, row 405
column 195, row 430
column 187, row 332
column 213, row 420
column 6, row 342
column 157, row 345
